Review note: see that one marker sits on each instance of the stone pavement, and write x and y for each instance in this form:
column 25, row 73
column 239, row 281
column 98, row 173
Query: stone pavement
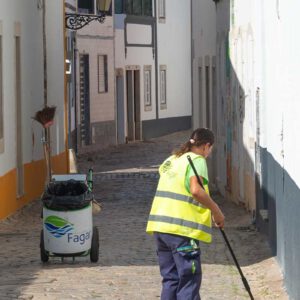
column 125, row 179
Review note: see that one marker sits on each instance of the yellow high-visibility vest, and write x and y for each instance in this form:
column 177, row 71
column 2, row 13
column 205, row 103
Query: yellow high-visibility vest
column 173, row 209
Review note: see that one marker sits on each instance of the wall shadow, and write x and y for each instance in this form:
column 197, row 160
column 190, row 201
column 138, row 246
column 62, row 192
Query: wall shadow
column 253, row 177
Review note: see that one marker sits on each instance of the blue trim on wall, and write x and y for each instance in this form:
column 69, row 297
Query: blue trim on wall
column 119, row 21
column 280, row 195
column 160, row 127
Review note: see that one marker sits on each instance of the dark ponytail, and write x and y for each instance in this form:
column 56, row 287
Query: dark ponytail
column 199, row 137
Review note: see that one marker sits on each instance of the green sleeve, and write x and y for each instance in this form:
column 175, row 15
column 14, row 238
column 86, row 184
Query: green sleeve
column 201, row 168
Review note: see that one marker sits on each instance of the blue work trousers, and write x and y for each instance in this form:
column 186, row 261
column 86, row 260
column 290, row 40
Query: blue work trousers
column 181, row 270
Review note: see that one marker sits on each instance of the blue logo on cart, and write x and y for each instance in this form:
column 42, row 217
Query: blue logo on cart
column 57, row 226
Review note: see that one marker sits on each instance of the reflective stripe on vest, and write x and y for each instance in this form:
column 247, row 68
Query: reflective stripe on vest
column 175, row 196
column 180, row 222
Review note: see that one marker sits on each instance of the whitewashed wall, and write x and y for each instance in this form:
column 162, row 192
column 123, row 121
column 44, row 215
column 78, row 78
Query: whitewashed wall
column 264, row 62
column 204, row 45
column 97, row 39
column 174, row 51
column 136, row 56
column 29, row 16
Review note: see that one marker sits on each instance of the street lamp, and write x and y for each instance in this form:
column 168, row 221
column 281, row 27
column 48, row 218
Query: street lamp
column 78, row 21
column 75, row 21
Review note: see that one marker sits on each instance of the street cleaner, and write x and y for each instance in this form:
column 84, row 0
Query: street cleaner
column 181, row 216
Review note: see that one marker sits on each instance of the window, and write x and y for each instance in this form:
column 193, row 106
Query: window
column 102, row 74
column 207, row 93
column 163, row 87
column 147, row 87
column 162, row 9
column 86, row 6
column 1, row 99
column 138, row 7
column 119, row 6
column 147, row 8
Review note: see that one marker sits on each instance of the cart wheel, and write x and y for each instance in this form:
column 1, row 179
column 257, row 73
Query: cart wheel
column 44, row 255
column 94, row 252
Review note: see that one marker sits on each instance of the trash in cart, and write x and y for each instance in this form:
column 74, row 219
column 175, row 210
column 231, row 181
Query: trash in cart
column 68, row 229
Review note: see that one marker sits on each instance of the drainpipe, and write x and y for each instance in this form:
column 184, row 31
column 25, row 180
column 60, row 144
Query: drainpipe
column 192, row 68
column 45, row 53
column 156, row 58
column 47, row 142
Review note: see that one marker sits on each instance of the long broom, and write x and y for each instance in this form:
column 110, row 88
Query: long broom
column 245, row 282
column 45, row 117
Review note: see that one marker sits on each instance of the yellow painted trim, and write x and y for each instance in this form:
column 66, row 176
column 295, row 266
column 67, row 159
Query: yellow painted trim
column 34, row 182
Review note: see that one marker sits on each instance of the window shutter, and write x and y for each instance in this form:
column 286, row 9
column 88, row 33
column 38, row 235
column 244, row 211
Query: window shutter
column 161, row 9
column 147, row 87
column 102, row 74
column 163, row 97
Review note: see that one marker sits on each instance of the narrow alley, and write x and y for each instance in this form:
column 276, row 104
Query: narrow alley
column 125, row 179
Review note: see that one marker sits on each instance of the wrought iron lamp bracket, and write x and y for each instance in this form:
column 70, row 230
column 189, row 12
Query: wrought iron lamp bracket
column 78, row 21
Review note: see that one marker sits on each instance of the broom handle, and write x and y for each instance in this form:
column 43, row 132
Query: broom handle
column 47, row 153
column 245, row 282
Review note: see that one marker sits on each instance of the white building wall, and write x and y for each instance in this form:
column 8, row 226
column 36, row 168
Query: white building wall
column 28, row 18
column 97, row 39
column 203, row 60
column 174, row 51
column 56, row 71
column 289, row 85
column 204, row 48
column 137, row 57
column 237, row 85
column 261, row 52
column 264, row 57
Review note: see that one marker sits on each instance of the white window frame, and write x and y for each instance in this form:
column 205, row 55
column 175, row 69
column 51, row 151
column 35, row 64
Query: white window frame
column 163, row 86
column 147, row 88
column 98, row 5
column 102, row 74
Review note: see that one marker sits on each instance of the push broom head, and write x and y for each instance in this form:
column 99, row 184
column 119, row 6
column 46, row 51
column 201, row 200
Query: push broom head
column 45, row 116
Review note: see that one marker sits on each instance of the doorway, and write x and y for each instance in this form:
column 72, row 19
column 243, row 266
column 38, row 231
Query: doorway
column 120, row 108
column 133, row 105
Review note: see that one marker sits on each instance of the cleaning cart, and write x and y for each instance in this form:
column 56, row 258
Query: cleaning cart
column 68, row 229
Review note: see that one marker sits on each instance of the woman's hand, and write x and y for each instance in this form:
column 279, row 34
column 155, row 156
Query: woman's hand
column 218, row 217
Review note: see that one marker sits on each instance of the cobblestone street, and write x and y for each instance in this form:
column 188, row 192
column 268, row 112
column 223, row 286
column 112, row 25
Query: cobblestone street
column 125, row 179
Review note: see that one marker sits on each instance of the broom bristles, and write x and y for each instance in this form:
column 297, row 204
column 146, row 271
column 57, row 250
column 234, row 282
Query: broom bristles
column 45, row 116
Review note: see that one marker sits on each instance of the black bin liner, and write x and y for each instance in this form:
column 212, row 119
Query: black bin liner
column 66, row 195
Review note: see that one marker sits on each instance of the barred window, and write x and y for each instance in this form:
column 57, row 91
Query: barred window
column 138, row 7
